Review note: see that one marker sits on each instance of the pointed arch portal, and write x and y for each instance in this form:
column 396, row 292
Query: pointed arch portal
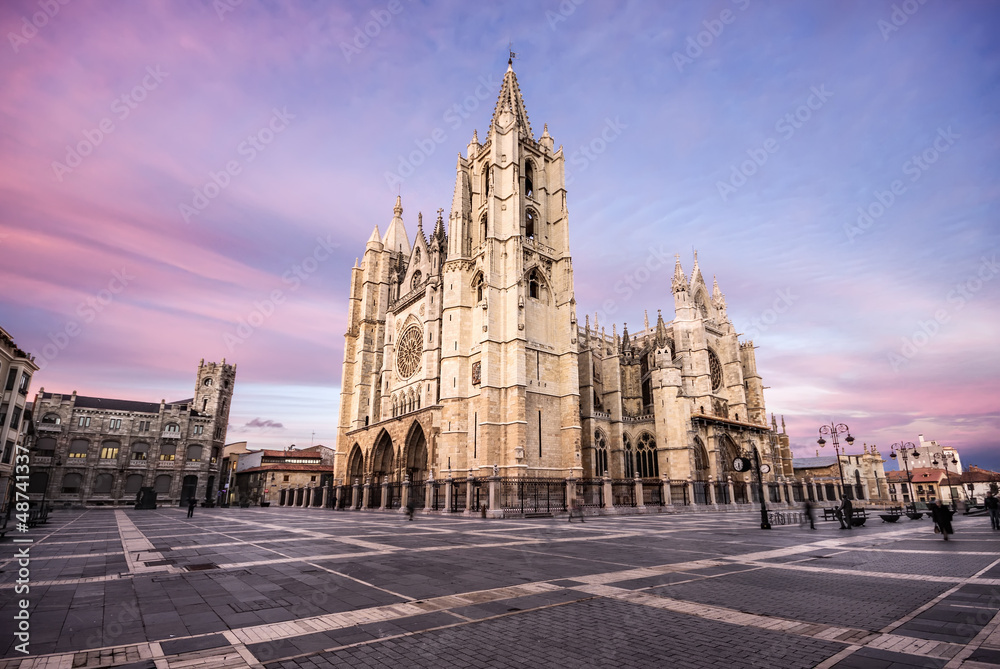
column 416, row 454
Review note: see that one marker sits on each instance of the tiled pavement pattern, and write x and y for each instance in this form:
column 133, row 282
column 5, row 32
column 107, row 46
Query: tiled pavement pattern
column 288, row 588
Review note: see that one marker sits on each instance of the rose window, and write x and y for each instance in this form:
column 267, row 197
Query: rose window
column 408, row 351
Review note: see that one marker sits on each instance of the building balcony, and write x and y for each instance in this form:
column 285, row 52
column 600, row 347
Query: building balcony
column 41, row 461
column 48, row 427
column 170, row 435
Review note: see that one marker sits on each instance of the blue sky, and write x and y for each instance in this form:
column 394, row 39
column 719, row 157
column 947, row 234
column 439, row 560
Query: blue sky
column 834, row 164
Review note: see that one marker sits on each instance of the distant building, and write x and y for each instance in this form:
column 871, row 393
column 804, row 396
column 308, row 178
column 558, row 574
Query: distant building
column 864, row 475
column 924, row 485
column 977, row 482
column 285, row 477
column 96, row 451
column 16, row 368
column 928, row 451
column 227, row 480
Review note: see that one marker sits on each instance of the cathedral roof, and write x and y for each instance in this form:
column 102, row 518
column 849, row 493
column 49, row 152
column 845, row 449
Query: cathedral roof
column 510, row 98
column 395, row 238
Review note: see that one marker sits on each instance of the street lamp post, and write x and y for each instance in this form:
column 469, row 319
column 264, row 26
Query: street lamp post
column 947, row 474
column 904, row 447
column 833, row 430
column 764, row 523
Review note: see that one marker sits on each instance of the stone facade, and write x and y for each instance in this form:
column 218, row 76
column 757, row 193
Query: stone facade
column 99, row 451
column 464, row 356
column 864, row 475
column 16, row 369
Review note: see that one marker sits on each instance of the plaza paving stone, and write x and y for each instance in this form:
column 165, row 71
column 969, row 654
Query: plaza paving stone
column 288, row 588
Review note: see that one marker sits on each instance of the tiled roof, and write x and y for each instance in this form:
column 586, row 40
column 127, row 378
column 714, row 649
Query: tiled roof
column 811, row 463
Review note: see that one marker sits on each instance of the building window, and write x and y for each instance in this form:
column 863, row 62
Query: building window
column 645, row 456
column 83, row 421
column 11, row 379
column 133, row 483
column 533, row 284
column 45, row 447
column 140, row 451
column 215, row 454
column 312, row 478
column 600, row 454
column 285, row 478
column 199, row 429
column 417, row 278
column 167, row 452
column 162, row 484
column 529, row 224
column 115, row 424
column 172, row 428
column 529, row 185
column 51, row 419
column 102, row 484
column 194, row 453
column 71, row 484
column 143, row 426
column 78, row 448
column 15, row 418
column 25, row 382
column 109, row 450
column 207, row 382
column 8, row 451
column 478, row 285
column 627, row 454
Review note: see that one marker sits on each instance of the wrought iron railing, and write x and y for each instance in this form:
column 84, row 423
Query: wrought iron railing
column 652, row 492
column 590, row 492
column 622, row 492
column 532, row 495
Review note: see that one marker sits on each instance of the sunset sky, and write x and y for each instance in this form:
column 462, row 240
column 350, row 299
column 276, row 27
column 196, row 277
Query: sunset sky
column 168, row 168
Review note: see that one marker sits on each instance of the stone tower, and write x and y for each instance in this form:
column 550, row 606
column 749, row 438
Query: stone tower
column 509, row 381
column 213, row 392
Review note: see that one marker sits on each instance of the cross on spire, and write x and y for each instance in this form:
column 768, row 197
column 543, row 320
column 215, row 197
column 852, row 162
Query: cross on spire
column 510, row 50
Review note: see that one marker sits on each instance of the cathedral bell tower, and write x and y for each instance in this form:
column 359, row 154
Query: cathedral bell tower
column 509, row 378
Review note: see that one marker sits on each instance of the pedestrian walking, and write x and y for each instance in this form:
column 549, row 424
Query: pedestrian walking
column 576, row 508
column 192, row 502
column 845, row 514
column 810, row 514
column 993, row 507
column 941, row 515
column 409, row 510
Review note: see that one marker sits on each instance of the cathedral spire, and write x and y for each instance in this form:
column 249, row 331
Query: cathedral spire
column 696, row 277
column 645, row 319
column 680, row 281
column 395, row 238
column 510, row 101
column 661, row 328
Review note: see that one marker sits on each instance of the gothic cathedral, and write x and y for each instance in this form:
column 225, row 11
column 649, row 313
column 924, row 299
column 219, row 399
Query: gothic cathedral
column 463, row 354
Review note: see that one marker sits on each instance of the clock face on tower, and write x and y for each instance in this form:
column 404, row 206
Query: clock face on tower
column 408, row 350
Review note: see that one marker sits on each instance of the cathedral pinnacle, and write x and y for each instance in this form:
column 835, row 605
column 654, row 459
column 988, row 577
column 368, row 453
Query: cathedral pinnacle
column 696, row 271
column 511, row 101
column 680, row 281
column 718, row 299
column 645, row 319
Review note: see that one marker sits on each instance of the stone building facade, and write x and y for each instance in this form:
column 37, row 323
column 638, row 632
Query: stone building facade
column 865, row 478
column 16, row 370
column 464, row 355
column 98, row 451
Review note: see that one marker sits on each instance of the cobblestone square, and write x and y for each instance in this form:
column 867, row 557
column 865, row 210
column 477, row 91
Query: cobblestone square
column 286, row 588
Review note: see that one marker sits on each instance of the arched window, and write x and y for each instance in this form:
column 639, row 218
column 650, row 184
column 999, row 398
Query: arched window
column 140, row 451
column 600, row 454
column 416, row 254
column 207, row 382
column 45, row 447
column 172, row 428
column 645, row 456
column 478, row 284
column 486, row 182
column 168, row 451
column 78, row 448
column 194, row 453
column 529, row 224
column 533, row 284
column 715, row 370
column 52, row 419
column 627, row 453
column 483, row 229
column 417, row 278
column 529, row 185
column 162, row 484
column 133, row 483
column 102, row 484
column 71, row 484
column 109, row 450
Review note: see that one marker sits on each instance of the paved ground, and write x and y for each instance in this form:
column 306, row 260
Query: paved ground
column 287, row 588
